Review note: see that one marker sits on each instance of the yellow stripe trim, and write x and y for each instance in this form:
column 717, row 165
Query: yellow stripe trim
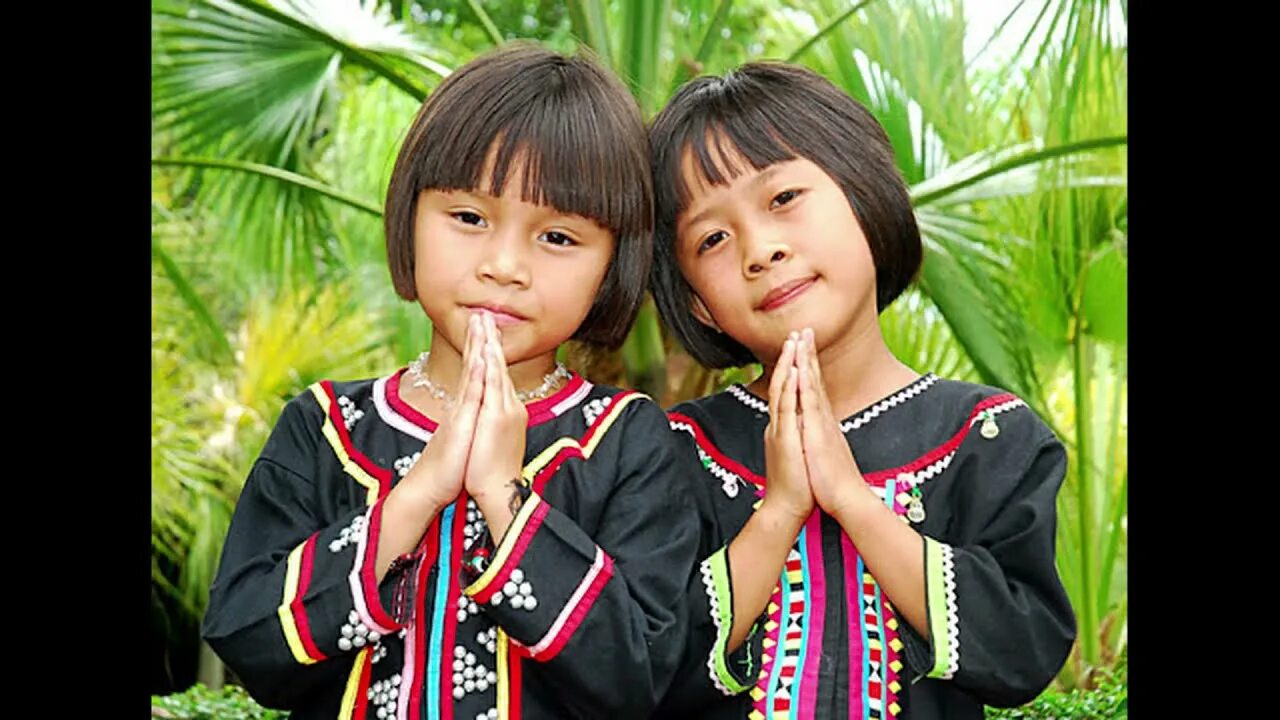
column 530, row 470
column 353, row 684
column 546, row 456
column 508, row 544
column 348, row 465
column 286, row 615
column 504, row 681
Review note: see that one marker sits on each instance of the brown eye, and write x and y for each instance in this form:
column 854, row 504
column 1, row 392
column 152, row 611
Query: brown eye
column 783, row 198
column 711, row 241
column 469, row 218
column 558, row 239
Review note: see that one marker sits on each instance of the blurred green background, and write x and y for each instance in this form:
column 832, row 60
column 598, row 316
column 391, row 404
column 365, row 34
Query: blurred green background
column 275, row 126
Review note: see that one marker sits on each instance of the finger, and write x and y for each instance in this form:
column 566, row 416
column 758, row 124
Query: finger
column 469, row 359
column 822, row 403
column 785, row 360
column 787, row 402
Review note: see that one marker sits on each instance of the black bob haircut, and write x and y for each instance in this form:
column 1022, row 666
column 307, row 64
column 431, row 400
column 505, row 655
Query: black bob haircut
column 577, row 135
column 771, row 112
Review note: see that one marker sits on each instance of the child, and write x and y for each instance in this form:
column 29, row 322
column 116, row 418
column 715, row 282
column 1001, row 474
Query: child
column 877, row 543
column 529, row 560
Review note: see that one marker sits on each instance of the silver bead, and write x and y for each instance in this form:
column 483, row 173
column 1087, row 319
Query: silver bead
column 990, row 429
column 395, row 680
column 510, row 589
column 382, row 713
column 469, row 673
column 471, row 658
column 517, row 602
column 374, row 637
column 358, row 641
column 517, row 575
column 458, row 678
column 469, row 685
column 362, row 631
column 526, row 588
column 344, row 644
column 459, row 651
column 458, row 665
column 493, row 677
column 493, row 713
column 496, row 599
column 482, row 684
column 347, row 631
column 530, row 602
column 462, row 615
column 459, row 693
column 353, row 617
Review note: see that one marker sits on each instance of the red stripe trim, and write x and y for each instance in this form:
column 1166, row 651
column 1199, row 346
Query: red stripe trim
column 514, row 680
column 725, row 461
column 575, row 451
column 405, row 409
column 541, row 410
column 419, row 625
column 296, row 607
column 362, row 696
column 368, row 578
column 580, row 612
column 879, row 477
column 382, row 475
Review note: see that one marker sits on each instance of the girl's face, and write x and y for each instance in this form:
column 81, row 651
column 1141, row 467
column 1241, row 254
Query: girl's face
column 775, row 250
column 534, row 268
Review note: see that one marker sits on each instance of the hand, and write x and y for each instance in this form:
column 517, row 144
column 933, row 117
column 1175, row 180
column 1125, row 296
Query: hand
column 834, row 477
column 438, row 475
column 497, row 452
column 787, row 493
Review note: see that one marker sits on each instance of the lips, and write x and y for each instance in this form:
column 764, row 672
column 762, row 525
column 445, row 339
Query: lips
column 502, row 315
column 785, row 293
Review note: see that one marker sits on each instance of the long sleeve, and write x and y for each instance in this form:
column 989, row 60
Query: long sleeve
column 295, row 597
column 599, row 615
column 1000, row 623
column 708, row 671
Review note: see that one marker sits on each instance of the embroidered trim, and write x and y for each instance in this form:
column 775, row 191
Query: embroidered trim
column 944, row 617
column 924, row 382
column 730, row 481
column 953, row 613
column 715, row 577
column 918, row 386
column 574, row 610
column 748, row 399
column 393, row 418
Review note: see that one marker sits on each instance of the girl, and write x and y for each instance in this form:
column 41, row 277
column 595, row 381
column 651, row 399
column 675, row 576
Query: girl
column 482, row 534
column 877, row 542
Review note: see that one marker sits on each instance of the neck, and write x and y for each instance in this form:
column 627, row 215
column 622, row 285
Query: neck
column 857, row 369
column 444, row 368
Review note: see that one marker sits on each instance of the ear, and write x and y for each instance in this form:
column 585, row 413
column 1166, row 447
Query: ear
column 702, row 314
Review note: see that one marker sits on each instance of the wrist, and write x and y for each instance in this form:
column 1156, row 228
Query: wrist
column 783, row 515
